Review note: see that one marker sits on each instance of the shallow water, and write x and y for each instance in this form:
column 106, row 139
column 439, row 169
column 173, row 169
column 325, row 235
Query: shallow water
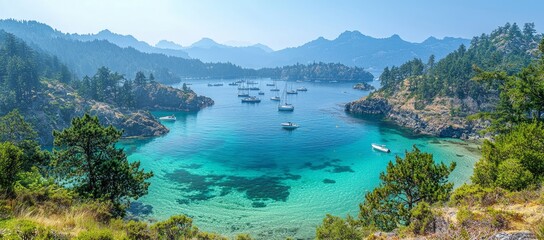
column 233, row 169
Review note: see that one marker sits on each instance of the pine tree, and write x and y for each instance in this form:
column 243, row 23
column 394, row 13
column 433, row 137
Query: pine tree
column 86, row 159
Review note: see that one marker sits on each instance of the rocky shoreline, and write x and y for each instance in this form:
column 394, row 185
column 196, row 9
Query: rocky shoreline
column 434, row 119
column 55, row 106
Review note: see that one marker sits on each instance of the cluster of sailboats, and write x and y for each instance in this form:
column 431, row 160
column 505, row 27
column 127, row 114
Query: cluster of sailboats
column 244, row 88
column 283, row 102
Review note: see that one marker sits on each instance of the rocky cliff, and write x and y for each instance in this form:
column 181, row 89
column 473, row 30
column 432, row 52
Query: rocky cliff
column 443, row 117
column 56, row 104
column 155, row 96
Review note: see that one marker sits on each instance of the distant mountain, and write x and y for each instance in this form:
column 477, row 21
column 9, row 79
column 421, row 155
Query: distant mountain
column 207, row 50
column 85, row 57
column 207, row 43
column 263, row 47
column 129, row 41
column 355, row 49
column 165, row 44
column 351, row 48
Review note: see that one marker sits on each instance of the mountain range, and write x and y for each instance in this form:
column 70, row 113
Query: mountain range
column 169, row 61
column 350, row 48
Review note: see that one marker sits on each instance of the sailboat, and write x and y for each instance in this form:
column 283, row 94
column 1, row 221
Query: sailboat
column 243, row 91
column 284, row 105
column 275, row 89
column 292, row 91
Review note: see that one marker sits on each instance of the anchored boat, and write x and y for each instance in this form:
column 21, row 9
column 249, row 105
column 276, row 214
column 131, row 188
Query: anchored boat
column 380, row 148
column 168, row 118
column 289, row 125
column 251, row 99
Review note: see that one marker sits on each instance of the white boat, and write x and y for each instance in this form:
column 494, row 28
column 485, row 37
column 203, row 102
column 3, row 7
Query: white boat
column 380, row 148
column 276, row 98
column 292, row 92
column 274, row 90
column 302, row 89
column 289, row 125
column 251, row 99
column 284, row 106
column 168, row 118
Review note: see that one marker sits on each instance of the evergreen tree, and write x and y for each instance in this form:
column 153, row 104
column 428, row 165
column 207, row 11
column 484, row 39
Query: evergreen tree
column 404, row 184
column 86, row 159
column 14, row 129
column 10, row 165
column 140, row 79
column 515, row 160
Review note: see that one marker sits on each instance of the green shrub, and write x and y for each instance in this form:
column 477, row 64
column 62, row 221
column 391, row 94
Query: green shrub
column 337, row 228
column 25, row 229
column 475, row 194
column 138, row 230
column 10, row 165
column 33, row 190
column 177, row 227
column 102, row 234
column 513, row 176
column 243, row 237
column 209, row 236
column 422, row 219
column 465, row 217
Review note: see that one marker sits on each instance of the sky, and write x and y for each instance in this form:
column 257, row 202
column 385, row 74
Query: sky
column 276, row 23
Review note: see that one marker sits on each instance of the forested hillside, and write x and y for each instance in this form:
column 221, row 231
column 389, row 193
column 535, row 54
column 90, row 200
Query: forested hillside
column 318, row 71
column 84, row 57
column 42, row 89
column 437, row 97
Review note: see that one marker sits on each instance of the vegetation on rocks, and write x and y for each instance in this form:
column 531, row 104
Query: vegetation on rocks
column 441, row 98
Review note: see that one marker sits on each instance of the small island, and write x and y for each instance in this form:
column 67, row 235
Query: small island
column 364, row 86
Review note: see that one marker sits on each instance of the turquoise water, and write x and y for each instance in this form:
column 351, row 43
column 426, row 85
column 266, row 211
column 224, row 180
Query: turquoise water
column 233, row 169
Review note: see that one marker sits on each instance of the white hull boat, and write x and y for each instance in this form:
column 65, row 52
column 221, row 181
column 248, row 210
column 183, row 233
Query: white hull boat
column 286, row 107
column 380, row 148
column 168, row 118
column 289, row 125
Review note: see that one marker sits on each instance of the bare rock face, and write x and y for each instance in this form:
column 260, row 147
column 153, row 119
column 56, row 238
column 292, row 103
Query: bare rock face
column 517, row 235
column 437, row 118
column 137, row 123
column 57, row 104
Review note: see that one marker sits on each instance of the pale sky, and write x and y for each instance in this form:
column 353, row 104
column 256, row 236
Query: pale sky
column 276, row 23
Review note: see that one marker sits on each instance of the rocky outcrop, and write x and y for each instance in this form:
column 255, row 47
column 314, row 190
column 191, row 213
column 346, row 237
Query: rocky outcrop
column 155, row 96
column 54, row 107
column 364, row 86
column 443, row 117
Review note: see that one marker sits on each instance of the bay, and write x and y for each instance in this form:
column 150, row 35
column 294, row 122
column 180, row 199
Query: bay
column 233, row 169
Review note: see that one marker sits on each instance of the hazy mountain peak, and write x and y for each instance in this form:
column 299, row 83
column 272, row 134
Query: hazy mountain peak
column 165, row 44
column 396, row 37
column 206, row 43
column 431, row 39
column 263, row 47
column 351, row 35
column 105, row 31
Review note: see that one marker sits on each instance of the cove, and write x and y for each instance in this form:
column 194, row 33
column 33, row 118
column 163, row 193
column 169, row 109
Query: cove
column 233, row 169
